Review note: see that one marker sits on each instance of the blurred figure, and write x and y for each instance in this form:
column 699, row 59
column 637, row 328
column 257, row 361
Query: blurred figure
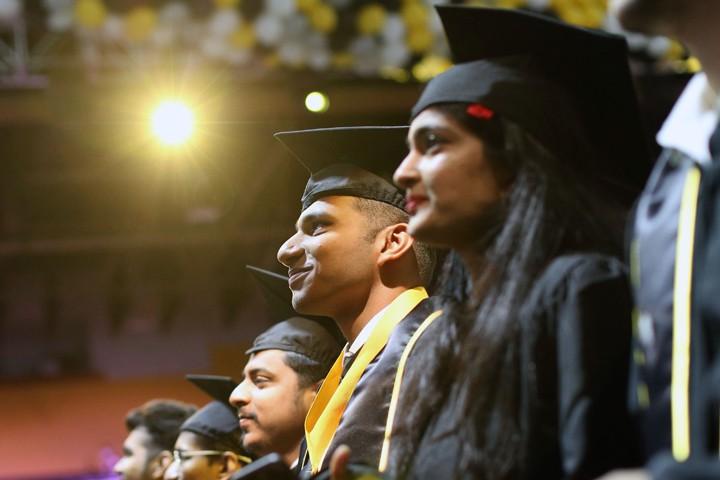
column 675, row 284
column 287, row 365
column 209, row 446
column 152, row 430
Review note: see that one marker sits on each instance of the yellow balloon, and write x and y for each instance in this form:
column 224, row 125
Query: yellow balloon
column 371, row 19
column 415, row 15
column 397, row 74
column 342, row 60
column 226, row 3
column 306, row 6
column 675, row 52
column 693, row 65
column 140, row 23
column 323, row 18
column 243, row 37
column 90, row 13
column 430, row 66
column 419, row 40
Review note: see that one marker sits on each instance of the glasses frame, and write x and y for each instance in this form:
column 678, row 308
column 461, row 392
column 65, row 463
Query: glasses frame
column 183, row 455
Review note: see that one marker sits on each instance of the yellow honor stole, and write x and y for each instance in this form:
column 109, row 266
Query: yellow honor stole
column 329, row 405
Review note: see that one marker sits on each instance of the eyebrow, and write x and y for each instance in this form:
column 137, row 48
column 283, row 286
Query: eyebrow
column 310, row 217
column 415, row 134
column 256, row 371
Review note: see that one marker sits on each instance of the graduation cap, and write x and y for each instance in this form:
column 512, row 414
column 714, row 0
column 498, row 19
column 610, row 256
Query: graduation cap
column 350, row 161
column 559, row 82
column 316, row 337
column 218, row 419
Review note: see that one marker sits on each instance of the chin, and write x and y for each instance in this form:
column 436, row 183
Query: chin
column 303, row 303
column 424, row 228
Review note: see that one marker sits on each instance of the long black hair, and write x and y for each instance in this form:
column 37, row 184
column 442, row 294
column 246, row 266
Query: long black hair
column 551, row 208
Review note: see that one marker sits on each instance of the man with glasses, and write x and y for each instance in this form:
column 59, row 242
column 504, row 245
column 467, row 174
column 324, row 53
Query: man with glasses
column 152, row 430
column 209, row 446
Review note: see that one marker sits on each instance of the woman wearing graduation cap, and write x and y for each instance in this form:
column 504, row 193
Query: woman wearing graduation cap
column 518, row 156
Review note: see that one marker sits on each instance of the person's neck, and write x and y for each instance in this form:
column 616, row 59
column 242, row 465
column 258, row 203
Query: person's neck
column 474, row 263
column 291, row 456
column 380, row 297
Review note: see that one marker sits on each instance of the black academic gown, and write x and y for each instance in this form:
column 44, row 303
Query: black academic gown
column 704, row 389
column 575, row 344
column 363, row 424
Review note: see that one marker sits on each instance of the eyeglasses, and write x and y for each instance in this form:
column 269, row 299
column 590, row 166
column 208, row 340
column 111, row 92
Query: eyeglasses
column 182, row 455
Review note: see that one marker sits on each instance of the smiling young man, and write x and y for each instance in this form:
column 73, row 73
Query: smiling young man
column 352, row 259
column 152, row 430
column 280, row 381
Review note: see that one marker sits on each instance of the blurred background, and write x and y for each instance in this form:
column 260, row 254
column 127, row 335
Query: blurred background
column 138, row 177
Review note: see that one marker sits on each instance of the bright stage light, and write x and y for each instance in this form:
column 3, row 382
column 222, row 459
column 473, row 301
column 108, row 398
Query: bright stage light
column 317, row 102
column 173, row 122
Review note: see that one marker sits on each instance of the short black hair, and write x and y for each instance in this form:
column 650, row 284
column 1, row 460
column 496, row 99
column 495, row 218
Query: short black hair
column 162, row 419
column 380, row 215
column 230, row 443
column 308, row 370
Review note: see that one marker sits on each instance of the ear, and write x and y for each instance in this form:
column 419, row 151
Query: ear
column 160, row 463
column 230, row 464
column 396, row 241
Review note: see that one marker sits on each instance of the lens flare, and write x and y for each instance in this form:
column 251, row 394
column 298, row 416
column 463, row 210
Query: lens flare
column 173, row 122
column 317, row 102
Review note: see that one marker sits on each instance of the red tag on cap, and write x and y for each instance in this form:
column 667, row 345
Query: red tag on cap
column 479, row 111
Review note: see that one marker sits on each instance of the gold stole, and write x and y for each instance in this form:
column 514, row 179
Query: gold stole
column 329, row 405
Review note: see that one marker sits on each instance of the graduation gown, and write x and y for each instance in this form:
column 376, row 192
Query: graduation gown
column 703, row 387
column 675, row 258
column 575, row 341
column 364, row 421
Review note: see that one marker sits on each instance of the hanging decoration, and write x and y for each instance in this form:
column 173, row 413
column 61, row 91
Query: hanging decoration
column 398, row 39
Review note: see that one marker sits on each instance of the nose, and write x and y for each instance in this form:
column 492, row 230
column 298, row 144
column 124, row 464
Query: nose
column 171, row 472
column 406, row 175
column 240, row 396
column 290, row 252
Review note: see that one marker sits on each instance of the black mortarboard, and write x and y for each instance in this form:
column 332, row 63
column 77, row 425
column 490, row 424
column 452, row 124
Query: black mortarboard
column 550, row 78
column 218, row 419
column 316, row 337
column 352, row 161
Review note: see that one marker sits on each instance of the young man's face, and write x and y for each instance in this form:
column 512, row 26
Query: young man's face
column 140, row 460
column 271, row 405
column 331, row 260
column 201, row 467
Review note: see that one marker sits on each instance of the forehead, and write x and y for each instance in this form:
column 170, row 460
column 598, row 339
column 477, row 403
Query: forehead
column 335, row 205
column 272, row 361
column 187, row 441
column 430, row 117
column 139, row 438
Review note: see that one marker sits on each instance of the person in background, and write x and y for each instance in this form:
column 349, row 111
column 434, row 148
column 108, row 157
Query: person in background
column 674, row 232
column 209, row 445
column 152, row 430
column 287, row 364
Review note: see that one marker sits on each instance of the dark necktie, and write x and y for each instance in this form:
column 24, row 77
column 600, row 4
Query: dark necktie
column 715, row 143
column 348, row 358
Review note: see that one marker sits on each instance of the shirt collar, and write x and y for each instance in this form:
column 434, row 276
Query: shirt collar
column 692, row 121
column 364, row 334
